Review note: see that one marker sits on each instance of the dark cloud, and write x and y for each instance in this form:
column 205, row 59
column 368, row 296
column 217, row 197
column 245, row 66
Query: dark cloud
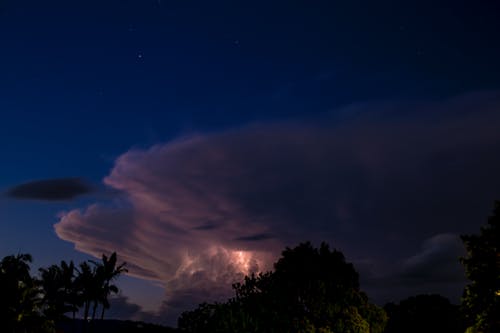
column 59, row 189
column 434, row 269
column 121, row 308
column 197, row 213
column 256, row 237
column 206, row 226
column 438, row 261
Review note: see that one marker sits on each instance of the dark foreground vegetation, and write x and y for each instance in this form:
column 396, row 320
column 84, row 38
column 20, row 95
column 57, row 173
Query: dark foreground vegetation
column 39, row 303
column 112, row 326
column 310, row 290
column 424, row 313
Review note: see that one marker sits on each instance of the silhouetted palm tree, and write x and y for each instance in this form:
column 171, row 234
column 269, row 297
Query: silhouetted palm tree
column 53, row 297
column 20, row 296
column 73, row 300
column 31, row 305
column 106, row 272
column 86, row 284
column 59, row 293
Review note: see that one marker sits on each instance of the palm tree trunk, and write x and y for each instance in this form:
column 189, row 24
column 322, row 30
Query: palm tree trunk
column 85, row 315
column 102, row 312
column 94, row 310
column 86, row 311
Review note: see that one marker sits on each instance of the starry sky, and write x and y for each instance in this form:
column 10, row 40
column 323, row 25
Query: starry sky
column 199, row 138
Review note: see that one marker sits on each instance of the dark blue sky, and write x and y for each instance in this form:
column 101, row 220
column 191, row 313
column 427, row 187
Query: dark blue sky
column 83, row 82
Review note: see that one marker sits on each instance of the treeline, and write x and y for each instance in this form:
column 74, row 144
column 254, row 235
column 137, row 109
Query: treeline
column 316, row 291
column 310, row 290
column 37, row 303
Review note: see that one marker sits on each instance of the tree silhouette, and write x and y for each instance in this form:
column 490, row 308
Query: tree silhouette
column 424, row 313
column 71, row 288
column 20, row 298
column 107, row 271
column 481, row 299
column 59, row 294
column 28, row 304
column 86, row 283
column 310, row 290
column 52, row 288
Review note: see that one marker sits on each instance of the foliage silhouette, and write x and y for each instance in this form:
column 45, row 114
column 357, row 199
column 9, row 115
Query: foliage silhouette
column 88, row 286
column 57, row 283
column 28, row 304
column 424, row 313
column 107, row 272
column 20, row 300
column 481, row 299
column 310, row 290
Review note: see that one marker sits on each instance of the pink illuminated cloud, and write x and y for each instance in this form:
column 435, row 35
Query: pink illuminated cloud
column 198, row 213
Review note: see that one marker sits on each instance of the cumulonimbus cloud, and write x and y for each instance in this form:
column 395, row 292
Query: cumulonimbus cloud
column 199, row 212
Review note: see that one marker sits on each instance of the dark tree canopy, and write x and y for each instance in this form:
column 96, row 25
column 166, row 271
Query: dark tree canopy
column 481, row 299
column 19, row 296
column 32, row 304
column 56, row 284
column 424, row 313
column 310, row 290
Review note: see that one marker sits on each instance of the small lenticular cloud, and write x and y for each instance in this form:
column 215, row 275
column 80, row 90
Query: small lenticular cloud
column 59, row 189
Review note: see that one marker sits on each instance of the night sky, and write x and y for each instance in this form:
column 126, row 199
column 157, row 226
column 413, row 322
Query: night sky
column 199, row 138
